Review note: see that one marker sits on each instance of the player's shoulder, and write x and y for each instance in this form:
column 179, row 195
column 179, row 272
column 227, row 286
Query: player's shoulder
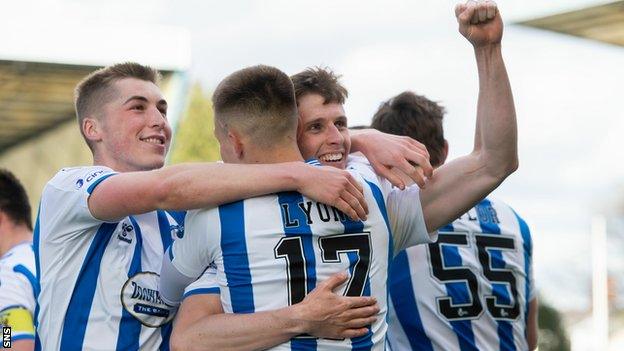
column 361, row 168
column 21, row 254
column 76, row 178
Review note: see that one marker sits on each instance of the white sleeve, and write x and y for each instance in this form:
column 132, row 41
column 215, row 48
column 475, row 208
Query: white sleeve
column 189, row 256
column 65, row 199
column 206, row 284
column 15, row 289
column 406, row 218
column 192, row 253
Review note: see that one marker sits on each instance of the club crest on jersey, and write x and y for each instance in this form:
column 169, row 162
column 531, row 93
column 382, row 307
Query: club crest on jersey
column 177, row 231
column 79, row 183
column 140, row 297
column 125, row 236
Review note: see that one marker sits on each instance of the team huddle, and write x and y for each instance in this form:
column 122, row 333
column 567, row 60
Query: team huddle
column 309, row 236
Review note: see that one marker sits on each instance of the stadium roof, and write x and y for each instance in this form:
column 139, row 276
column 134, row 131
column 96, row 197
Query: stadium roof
column 38, row 70
column 604, row 23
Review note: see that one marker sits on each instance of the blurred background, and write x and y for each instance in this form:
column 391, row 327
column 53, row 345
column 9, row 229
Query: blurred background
column 565, row 60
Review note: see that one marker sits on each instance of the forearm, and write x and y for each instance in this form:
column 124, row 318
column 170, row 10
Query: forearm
column 189, row 186
column 192, row 186
column 496, row 131
column 228, row 331
column 357, row 141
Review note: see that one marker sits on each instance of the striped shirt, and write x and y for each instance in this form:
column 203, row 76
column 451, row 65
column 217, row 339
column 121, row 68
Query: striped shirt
column 18, row 286
column 468, row 291
column 99, row 280
column 271, row 251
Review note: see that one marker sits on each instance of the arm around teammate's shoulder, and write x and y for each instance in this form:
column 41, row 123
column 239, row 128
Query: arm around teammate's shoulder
column 200, row 185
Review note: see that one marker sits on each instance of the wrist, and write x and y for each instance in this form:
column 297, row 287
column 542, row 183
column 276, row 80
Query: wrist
column 358, row 143
column 295, row 175
column 293, row 319
column 487, row 49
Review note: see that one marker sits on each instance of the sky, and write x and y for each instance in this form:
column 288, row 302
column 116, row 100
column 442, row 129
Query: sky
column 567, row 90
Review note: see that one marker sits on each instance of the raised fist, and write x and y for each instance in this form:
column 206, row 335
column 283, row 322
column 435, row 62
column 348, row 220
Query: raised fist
column 480, row 22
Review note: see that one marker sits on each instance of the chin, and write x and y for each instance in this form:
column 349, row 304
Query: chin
column 340, row 165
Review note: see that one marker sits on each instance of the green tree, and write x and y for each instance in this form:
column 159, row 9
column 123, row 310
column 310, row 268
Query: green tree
column 194, row 140
column 552, row 333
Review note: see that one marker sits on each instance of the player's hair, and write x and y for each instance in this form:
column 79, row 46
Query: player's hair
column 260, row 102
column 414, row 116
column 359, row 127
column 13, row 199
column 322, row 81
column 96, row 89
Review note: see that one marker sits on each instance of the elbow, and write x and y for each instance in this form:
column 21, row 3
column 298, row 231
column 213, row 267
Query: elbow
column 501, row 169
column 512, row 165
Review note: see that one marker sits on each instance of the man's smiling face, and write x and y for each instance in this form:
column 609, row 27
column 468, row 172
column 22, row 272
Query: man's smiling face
column 323, row 132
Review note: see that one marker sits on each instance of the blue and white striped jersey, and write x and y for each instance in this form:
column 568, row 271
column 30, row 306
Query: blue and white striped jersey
column 468, row 291
column 271, row 251
column 99, row 280
column 18, row 286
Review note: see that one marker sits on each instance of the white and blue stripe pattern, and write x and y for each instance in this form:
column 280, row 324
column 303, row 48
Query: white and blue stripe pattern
column 416, row 321
column 98, row 280
column 254, row 264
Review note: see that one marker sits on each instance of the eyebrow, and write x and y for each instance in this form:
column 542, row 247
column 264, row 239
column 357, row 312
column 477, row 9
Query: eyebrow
column 136, row 97
column 162, row 102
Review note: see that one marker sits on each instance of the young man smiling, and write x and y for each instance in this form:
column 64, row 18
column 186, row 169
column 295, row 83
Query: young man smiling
column 453, row 188
column 102, row 230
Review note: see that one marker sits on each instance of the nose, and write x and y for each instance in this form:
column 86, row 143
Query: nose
column 334, row 137
column 156, row 119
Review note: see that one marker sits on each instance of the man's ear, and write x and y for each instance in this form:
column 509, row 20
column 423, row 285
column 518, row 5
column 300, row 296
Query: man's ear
column 91, row 128
column 237, row 143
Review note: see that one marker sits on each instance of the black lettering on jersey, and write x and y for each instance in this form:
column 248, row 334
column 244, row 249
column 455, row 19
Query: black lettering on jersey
column 338, row 215
column 306, row 208
column 146, row 294
column 288, row 223
column 446, row 305
column 470, row 217
column 497, row 309
column 323, row 216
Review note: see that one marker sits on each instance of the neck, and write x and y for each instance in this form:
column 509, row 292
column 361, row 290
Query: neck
column 276, row 154
column 16, row 235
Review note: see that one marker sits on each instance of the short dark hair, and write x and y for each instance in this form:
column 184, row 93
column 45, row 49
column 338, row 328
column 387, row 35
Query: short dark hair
column 259, row 101
column 322, row 81
column 94, row 89
column 415, row 116
column 13, row 199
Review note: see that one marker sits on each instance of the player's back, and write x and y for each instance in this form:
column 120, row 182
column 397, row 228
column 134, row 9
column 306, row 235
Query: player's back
column 272, row 250
column 468, row 291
